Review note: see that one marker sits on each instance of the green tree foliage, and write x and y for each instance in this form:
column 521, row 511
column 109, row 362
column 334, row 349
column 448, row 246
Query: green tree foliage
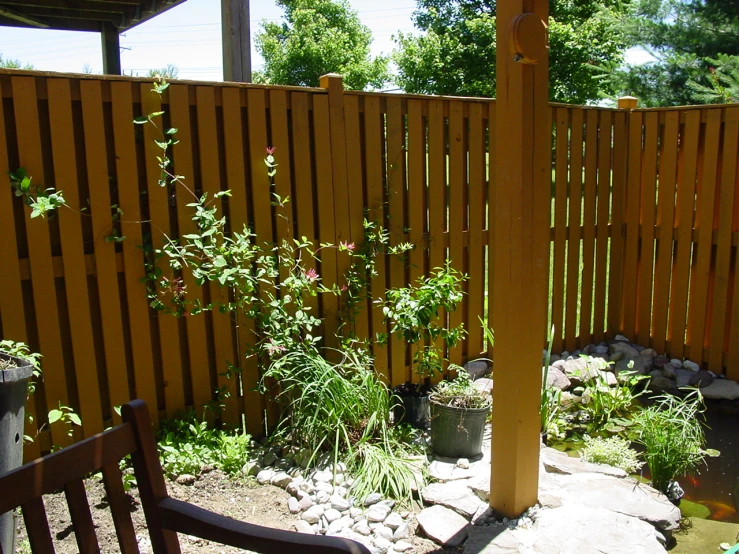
column 7, row 63
column 169, row 71
column 318, row 37
column 721, row 85
column 456, row 52
column 687, row 37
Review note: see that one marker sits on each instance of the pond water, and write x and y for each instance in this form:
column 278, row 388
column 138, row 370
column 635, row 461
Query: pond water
column 716, row 487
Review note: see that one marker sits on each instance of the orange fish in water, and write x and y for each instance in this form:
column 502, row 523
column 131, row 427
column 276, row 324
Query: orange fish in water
column 694, row 481
column 719, row 510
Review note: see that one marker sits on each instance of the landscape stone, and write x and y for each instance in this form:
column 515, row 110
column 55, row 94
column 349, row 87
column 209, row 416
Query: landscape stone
column 609, row 378
column 373, row 498
column 443, row 525
column 393, row 521
column 339, row 524
column 322, row 496
column 660, row 361
column 578, row 371
column 312, row 515
column 625, row 348
column 624, row 496
column 305, row 502
column 648, row 352
column 362, row 528
column 293, row 505
column 662, row 384
column 445, row 469
column 382, row 543
column 557, row 378
column 463, row 463
column 384, row 532
column 402, row 532
column 621, row 338
column 682, row 377
column 323, row 476
column 265, row 476
column 355, row 512
column 331, row 515
column 378, row 512
column 676, row 362
column 477, row 368
column 302, row 526
column 251, row 468
column 701, row 378
column 402, row 546
column 601, row 349
column 281, row 479
column 616, row 356
column 480, row 485
column 554, row 358
column 325, row 487
column 692, row 366
column 483, row 384
column 571, row 530
column 559, row 363
column 668, row 370
column 186, row 479
column 455, row 495
column 558, row 462
column 722, row 389
column 339, row 503
column 642, row 365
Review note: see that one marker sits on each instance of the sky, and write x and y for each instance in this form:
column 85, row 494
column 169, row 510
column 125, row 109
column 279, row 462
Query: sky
column 189, row 36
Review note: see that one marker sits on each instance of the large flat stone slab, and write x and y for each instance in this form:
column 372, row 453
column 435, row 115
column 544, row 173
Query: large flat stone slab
column 443, row 525
column 569, row 530
column 722, row 389
column 624, row 496
column 455, row 495
column 559, row 462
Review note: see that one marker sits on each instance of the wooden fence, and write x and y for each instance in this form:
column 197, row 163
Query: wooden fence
column 419, row 164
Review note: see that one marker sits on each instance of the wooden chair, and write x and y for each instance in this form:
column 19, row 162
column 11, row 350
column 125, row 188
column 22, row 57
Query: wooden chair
column 165, row 516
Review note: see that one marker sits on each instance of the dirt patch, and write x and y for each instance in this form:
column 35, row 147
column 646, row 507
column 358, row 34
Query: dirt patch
column 243, row 500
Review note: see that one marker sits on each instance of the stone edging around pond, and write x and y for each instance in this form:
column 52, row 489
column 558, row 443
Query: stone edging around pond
column 587, row 503
column 568, row 370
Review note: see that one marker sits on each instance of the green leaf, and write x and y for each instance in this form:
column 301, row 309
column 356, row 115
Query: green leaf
column 172, row 131
column 74, row 418
column 141, row 120
column 54, row 416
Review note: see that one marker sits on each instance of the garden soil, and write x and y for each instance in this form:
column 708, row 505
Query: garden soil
column 239, row 499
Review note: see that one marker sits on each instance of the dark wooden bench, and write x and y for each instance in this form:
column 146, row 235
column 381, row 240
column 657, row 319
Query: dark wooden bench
column 165, row 516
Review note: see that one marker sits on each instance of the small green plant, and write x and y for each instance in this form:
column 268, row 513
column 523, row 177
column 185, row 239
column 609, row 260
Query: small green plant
column 187, row 444
column 550, row 396
column 40, row 200
column 413, row 313
column 613, row 451
column 460, row 392
column 671, row 431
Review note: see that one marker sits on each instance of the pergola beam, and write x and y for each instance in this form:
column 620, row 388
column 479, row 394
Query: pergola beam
column 23, row 18
column 519, row 264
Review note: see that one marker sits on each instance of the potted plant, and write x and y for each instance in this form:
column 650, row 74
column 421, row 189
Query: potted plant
column 16, row 368
column 413, row 313
column 459, row 411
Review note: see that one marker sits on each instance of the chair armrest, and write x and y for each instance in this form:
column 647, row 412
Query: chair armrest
column 182, row 517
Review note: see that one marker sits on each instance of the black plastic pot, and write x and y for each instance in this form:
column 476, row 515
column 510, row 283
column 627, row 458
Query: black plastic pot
column 413, row 410
column 13, row 391
column 457, row 432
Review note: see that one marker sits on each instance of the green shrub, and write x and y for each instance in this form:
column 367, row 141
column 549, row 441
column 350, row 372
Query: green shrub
column 613, row 451
column 186, row 445
column 671, row 431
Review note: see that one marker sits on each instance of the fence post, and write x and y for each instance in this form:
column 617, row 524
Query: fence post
column 618, row 204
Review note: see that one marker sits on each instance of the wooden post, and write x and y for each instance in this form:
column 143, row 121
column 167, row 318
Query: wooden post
column 236, row 34
column 522, row 201
column 111, row 49
column 628, row 103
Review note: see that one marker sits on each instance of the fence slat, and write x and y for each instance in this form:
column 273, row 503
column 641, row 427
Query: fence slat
column 665, row 221
column 162, row 228
column 12, row 312
column 373, row 129
column 129, row 200
column 198, row 383
column 396, row 175
column 477, row 212
column 212, row 183
column 457, row 207
column 618, row 199
column 560, row 226
column 588, row 244
column 688, row 162
column 646, row 252
column 39, row 253
column 701, row 267
column 631, row 243
column 233, row 129
column 75, row 271
column 601, row 252
column 573, row 231
column 723, row 249
column 490, row 221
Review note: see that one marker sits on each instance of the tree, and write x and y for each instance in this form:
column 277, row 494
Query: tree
column 318, row 37
column 169, row 71
column 456, row 52
column 687, row 37
column 7, row 63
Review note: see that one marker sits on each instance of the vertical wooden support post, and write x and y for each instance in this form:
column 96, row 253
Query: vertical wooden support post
column 522, row 203
column 236, row 38
column 111, row 49
column 628, row 103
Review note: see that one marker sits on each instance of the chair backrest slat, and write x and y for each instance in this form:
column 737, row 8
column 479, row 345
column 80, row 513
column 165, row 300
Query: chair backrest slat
column 120, row 509
column 37, row 526
column 52, row 472
column 79, row 509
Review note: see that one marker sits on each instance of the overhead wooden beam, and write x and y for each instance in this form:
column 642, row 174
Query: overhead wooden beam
column 111, row 49
column 521, row 256
column 236, row 33
column 23, row 18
